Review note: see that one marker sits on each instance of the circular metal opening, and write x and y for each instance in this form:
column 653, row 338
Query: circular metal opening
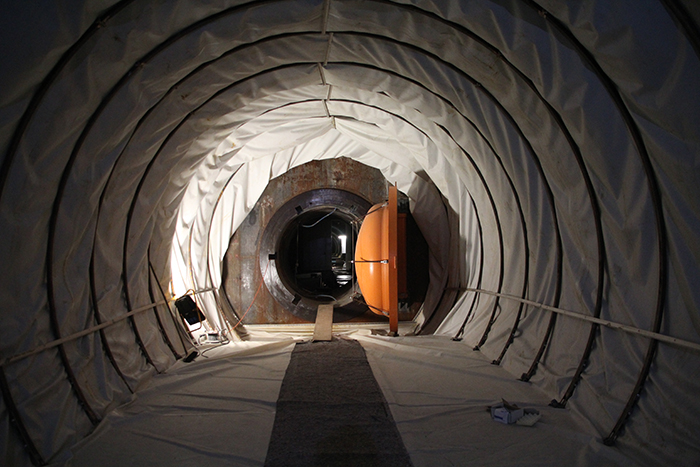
column 307, row 248
column 315, row 252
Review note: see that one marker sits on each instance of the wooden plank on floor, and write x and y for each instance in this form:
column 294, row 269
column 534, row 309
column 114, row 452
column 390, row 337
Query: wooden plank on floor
column 323, row 331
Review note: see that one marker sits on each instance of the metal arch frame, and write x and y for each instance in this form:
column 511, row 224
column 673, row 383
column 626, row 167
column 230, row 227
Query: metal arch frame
column 93, row 285
column 98, row 319
column 5, row 170
column 515, row 126
column 557, row 117
column 682, row 18
column 17, row 423
column 534, row 157
column 55, row 327
column 4, row 173
column 211, row 221
column 655, row 195
column 591, row 192
column 270, row 38
column 217, row 297
column 460, row 332
column 165, row 298
column 164, row 334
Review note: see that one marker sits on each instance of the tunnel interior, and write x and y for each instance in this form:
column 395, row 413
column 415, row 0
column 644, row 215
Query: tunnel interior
column 548, row 151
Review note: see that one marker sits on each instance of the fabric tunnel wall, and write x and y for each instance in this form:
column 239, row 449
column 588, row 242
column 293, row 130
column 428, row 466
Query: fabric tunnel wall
column 549, row 150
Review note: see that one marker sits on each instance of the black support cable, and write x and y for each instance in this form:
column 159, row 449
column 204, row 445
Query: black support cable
column 55, row 328
column 579, row 159
column 655, row 195
column 540, row 352
column 17, row 423
column 684, row 20
column 17, row 135
column 535, row 158
column 98, row 320
column 600, row 241
column 494, row 208
column 127, row 282
column 661, row 296
column 108, row 97
column 43, row 88
column 190, row 28
column 526, row 275
column 163, row 332
column 137, row 334
column 26, row 119
column 165, row 298
column 526, row 245
column 93, row 289
column 94, row 298
column 460, row 332
column 211, row 221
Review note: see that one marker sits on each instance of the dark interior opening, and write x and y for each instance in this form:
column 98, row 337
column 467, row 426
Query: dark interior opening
column 315, row 254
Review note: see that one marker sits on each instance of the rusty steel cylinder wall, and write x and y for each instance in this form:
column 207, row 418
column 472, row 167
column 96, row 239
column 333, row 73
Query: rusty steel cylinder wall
column 247, row 257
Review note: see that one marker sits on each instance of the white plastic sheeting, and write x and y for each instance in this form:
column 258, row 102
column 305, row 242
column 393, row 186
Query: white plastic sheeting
column 219, row 409
column 560, row 138
column 447, row 423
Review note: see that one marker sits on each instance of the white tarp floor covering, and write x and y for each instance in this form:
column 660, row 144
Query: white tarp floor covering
column 221, row 409
column 438, row 391
column 216, row 410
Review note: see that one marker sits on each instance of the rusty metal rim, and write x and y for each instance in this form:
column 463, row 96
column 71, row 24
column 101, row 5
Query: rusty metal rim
column 349, row 206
